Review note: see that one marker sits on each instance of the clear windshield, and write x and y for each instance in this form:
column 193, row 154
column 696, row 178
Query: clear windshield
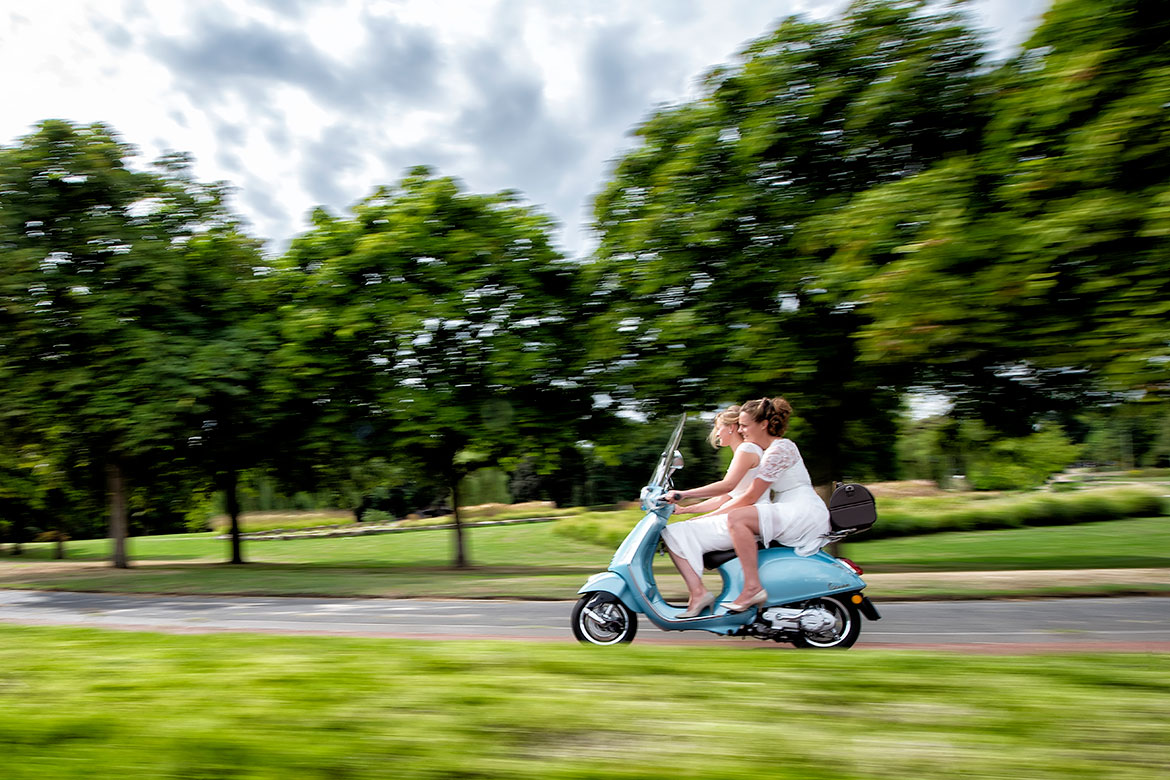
column 661, row 476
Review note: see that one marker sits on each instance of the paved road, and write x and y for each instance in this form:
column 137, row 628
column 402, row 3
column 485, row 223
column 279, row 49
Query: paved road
column 1091, row 624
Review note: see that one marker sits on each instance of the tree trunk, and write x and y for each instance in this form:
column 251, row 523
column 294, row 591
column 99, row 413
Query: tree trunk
column 233, row 507
column 119, row 525
column 460, row 550
column 60, row 553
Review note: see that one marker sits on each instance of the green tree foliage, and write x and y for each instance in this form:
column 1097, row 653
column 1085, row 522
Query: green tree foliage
column 613, row 468
column 852, row 208
column 928, row 449
column 241, row 416
column 39, row 493
column 1032, row 274
column 1128, row 435
column 966, row 452
column 1016, row 463
column 485, row 486
column 435, row 327
column 113, row 289
column 704, row 290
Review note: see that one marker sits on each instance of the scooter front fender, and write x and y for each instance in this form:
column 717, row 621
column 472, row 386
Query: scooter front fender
column 608, row 582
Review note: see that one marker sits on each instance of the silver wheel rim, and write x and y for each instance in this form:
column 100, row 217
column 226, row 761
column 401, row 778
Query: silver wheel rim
column 843, row 626
column 594, row 617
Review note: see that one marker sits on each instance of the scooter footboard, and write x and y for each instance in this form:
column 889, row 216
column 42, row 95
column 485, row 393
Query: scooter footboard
column 788, row 577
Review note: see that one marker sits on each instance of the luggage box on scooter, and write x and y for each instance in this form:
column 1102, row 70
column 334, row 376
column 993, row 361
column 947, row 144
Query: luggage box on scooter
column 851, row 508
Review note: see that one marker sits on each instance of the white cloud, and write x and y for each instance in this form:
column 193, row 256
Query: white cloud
column 306, row 102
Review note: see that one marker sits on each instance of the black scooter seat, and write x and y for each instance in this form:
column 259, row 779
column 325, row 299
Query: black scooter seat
column 716, row 558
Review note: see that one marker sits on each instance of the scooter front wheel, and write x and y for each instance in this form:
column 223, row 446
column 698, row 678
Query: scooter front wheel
column 602, row 619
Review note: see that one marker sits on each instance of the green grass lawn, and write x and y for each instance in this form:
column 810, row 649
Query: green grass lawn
column 523, row 561
column 528, row 561
column 1136, row 543
column 528, row 545
column 293, row 520
column 266, row 521
column 82, row 703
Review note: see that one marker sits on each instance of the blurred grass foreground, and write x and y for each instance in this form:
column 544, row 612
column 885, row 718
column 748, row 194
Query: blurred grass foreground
column 80, row 703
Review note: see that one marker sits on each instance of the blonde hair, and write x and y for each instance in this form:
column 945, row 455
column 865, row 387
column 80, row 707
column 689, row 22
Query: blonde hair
column 729, row 416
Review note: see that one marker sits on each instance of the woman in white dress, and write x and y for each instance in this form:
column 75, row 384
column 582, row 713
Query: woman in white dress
column 687, row 541
column 795, row 516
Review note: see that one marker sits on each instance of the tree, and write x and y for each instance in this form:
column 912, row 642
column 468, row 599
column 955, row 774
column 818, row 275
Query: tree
column 39, row 493
column 1019, row 462
column 613, row 465
column 706, row 289
column 1128, row 435
column 435, row 327
column 103, row 304
column 1031, row 275
column 240, row 413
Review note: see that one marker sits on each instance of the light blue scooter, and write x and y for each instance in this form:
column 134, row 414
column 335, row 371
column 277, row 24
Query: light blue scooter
column 813, row 602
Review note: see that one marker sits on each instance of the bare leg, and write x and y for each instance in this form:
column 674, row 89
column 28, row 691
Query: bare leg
column 744, row 525
column 690, row 577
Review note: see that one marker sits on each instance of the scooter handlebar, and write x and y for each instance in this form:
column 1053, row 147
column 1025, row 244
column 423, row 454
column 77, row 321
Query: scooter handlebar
column 653, row 498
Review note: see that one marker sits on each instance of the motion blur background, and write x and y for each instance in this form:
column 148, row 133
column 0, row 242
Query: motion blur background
column 945, row 245
column 422, row 258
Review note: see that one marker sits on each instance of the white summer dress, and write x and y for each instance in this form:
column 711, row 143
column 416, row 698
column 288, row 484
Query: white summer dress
column 689, row 539
column 796, row 517
column 790, row 513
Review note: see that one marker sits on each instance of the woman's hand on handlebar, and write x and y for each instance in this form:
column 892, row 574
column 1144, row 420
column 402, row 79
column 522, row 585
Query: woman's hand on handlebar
column 672, row 496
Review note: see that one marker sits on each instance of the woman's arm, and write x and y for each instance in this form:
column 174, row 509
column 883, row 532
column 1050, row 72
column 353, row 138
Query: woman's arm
column 747, row 498
column 705, row 506
column 740, row 464
column 774, row 462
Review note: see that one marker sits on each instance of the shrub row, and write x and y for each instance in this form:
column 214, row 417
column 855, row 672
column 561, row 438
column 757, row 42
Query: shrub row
column 603, row 528
column 905, row 518
column 915, row 516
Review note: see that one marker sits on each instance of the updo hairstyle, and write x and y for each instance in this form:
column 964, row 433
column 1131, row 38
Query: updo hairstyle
column 775, row 410
column 729, row 416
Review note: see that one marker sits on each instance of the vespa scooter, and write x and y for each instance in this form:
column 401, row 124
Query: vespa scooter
column 813, row 602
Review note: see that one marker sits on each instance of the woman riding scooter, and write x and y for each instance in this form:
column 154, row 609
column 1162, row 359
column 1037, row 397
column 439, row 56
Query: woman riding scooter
column 812, row 601
column 687, row 541
column 795, row 516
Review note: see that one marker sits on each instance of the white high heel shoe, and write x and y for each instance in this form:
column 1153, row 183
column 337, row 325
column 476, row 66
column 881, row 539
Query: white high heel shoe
column 705, row 601
column 756, row 600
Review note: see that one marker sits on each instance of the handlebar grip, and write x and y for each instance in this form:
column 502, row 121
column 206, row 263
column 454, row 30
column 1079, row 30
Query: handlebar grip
column 652, row 496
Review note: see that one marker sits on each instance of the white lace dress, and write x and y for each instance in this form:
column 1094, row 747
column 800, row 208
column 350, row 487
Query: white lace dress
column 790, row 512
column 689, row 539
column 796, row 516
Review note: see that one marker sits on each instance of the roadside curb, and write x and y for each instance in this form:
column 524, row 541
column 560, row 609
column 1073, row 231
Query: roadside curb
column 887, row 586
column 1087, row 592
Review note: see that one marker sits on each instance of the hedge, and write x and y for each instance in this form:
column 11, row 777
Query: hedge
column 909, row 518
column 916, row 516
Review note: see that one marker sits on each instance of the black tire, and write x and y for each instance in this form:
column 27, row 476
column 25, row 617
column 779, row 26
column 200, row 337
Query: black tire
column 601, row 619
column 848, row 624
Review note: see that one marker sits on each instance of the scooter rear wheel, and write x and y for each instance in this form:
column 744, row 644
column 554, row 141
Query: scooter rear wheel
column 846, row 632
column 602, row 619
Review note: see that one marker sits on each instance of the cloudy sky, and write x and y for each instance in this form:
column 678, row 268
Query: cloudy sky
column 299, row 103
